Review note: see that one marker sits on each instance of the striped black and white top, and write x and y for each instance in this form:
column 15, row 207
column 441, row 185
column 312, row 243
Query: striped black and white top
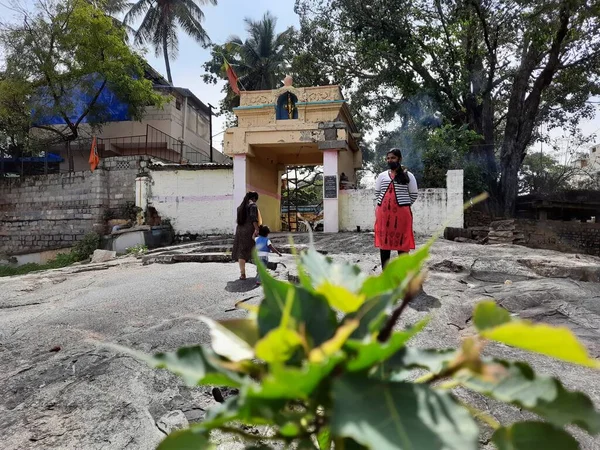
column 406, row 194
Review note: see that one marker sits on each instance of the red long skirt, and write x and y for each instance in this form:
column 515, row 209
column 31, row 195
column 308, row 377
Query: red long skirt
column 393, row 224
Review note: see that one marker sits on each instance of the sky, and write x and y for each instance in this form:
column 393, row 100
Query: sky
column 222, row 21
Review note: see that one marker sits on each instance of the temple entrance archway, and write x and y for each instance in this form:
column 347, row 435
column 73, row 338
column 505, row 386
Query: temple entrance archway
column 290, row 127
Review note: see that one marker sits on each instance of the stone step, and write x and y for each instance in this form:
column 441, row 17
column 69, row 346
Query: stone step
column 191, row 245
column 190, row 257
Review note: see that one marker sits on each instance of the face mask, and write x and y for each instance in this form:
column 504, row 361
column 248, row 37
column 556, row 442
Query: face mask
column 393, row 165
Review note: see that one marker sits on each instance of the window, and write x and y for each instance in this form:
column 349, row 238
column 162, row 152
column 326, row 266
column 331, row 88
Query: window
column 178, row 104
column 191, row 119
column 203, row 127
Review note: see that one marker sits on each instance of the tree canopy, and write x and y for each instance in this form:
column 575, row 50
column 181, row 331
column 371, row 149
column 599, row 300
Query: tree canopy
column 499, row 67
column 259, row 60
column 61, row 59
column 162, row 21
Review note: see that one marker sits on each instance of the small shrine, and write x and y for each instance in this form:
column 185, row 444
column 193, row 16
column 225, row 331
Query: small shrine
column 287, row 127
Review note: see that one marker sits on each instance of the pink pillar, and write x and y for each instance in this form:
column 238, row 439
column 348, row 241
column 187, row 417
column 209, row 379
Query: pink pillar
column 331, row 222
column 239, row 183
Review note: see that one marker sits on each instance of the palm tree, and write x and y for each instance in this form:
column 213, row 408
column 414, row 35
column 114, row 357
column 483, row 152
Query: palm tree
column 259, row 61
column 161, row 21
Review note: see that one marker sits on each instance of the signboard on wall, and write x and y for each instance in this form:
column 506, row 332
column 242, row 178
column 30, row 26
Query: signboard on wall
column 330, row 186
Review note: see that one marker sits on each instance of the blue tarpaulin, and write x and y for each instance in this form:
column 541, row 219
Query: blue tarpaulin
column 113, row 110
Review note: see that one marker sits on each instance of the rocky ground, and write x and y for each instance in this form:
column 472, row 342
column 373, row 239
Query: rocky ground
column 61, row 389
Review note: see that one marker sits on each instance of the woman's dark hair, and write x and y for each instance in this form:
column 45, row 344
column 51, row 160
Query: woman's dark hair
column 242, row 211
column 401, row 175
column 263, row 231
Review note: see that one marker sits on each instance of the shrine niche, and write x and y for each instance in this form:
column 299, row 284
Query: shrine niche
column 287, row 127
column 286, row 107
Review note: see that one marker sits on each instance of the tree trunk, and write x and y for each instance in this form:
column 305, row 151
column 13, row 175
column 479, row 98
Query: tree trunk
column 523, row 109
column 70, row 157
column 167, row 65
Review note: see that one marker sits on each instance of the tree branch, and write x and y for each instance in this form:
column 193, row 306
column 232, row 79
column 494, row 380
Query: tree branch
column 91, row 104
column 387, row 329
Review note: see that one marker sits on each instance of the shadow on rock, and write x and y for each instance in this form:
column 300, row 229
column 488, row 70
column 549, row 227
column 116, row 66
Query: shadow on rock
column 424, row 302
column 241, row 285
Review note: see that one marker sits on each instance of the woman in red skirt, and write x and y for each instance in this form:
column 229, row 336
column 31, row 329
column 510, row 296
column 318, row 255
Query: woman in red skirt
column 395, row 191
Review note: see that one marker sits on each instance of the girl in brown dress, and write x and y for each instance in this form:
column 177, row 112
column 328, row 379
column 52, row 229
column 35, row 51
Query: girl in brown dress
column 248, row 221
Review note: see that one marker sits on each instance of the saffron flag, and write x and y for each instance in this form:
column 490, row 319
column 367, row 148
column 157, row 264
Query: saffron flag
column 94, row 158
column 233, row 79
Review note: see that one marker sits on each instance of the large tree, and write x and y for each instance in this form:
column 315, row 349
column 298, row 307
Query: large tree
column 259, row 60
column 161, row 22
column 501, row 67
column 62, row 59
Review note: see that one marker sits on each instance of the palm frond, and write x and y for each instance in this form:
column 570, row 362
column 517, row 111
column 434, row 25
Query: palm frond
column 190, row 24
column 137, row 9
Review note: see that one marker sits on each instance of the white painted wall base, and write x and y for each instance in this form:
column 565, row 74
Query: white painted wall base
column 196, row 201
column 434, row 209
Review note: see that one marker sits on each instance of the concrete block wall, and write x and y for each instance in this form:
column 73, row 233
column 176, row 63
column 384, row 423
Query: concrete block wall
column 122, row 172
column 431, row 211
column 48, row 212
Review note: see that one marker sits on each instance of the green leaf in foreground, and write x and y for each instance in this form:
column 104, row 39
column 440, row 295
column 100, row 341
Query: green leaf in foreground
column 435, row 361
column 489, row 315
column 518, row 384
column 395, row 272
column 226, row 342
column 372, row 315
column 369, row 354
column 322, row 270
column 185, row 439
column 292, row 382
column 533, row 435
column 400, row 416
column 324, row 439
column 557, row 342
column 196, row 365
column 309, row 308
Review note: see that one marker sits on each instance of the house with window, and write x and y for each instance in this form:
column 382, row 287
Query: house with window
column 588, row 165
column 179, row 132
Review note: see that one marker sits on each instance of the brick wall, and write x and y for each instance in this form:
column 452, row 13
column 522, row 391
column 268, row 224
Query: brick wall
column 562, row 236
column 54, row 211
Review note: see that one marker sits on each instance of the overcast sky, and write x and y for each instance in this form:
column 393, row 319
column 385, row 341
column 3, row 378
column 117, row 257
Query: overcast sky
column 222, row 21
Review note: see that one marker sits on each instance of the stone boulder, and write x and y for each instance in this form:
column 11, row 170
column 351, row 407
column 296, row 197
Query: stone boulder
column 101, row 256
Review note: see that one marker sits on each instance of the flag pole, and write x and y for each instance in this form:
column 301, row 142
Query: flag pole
column 237, row 78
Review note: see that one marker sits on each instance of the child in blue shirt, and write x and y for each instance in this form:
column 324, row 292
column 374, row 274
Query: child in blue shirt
column 264, row 247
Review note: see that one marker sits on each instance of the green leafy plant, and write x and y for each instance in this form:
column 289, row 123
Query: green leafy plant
column 84, row 248
column 81, row 251
column 137, row 250
column 323, row 365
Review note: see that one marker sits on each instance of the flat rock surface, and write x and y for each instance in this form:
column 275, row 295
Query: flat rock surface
column 61, row 389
